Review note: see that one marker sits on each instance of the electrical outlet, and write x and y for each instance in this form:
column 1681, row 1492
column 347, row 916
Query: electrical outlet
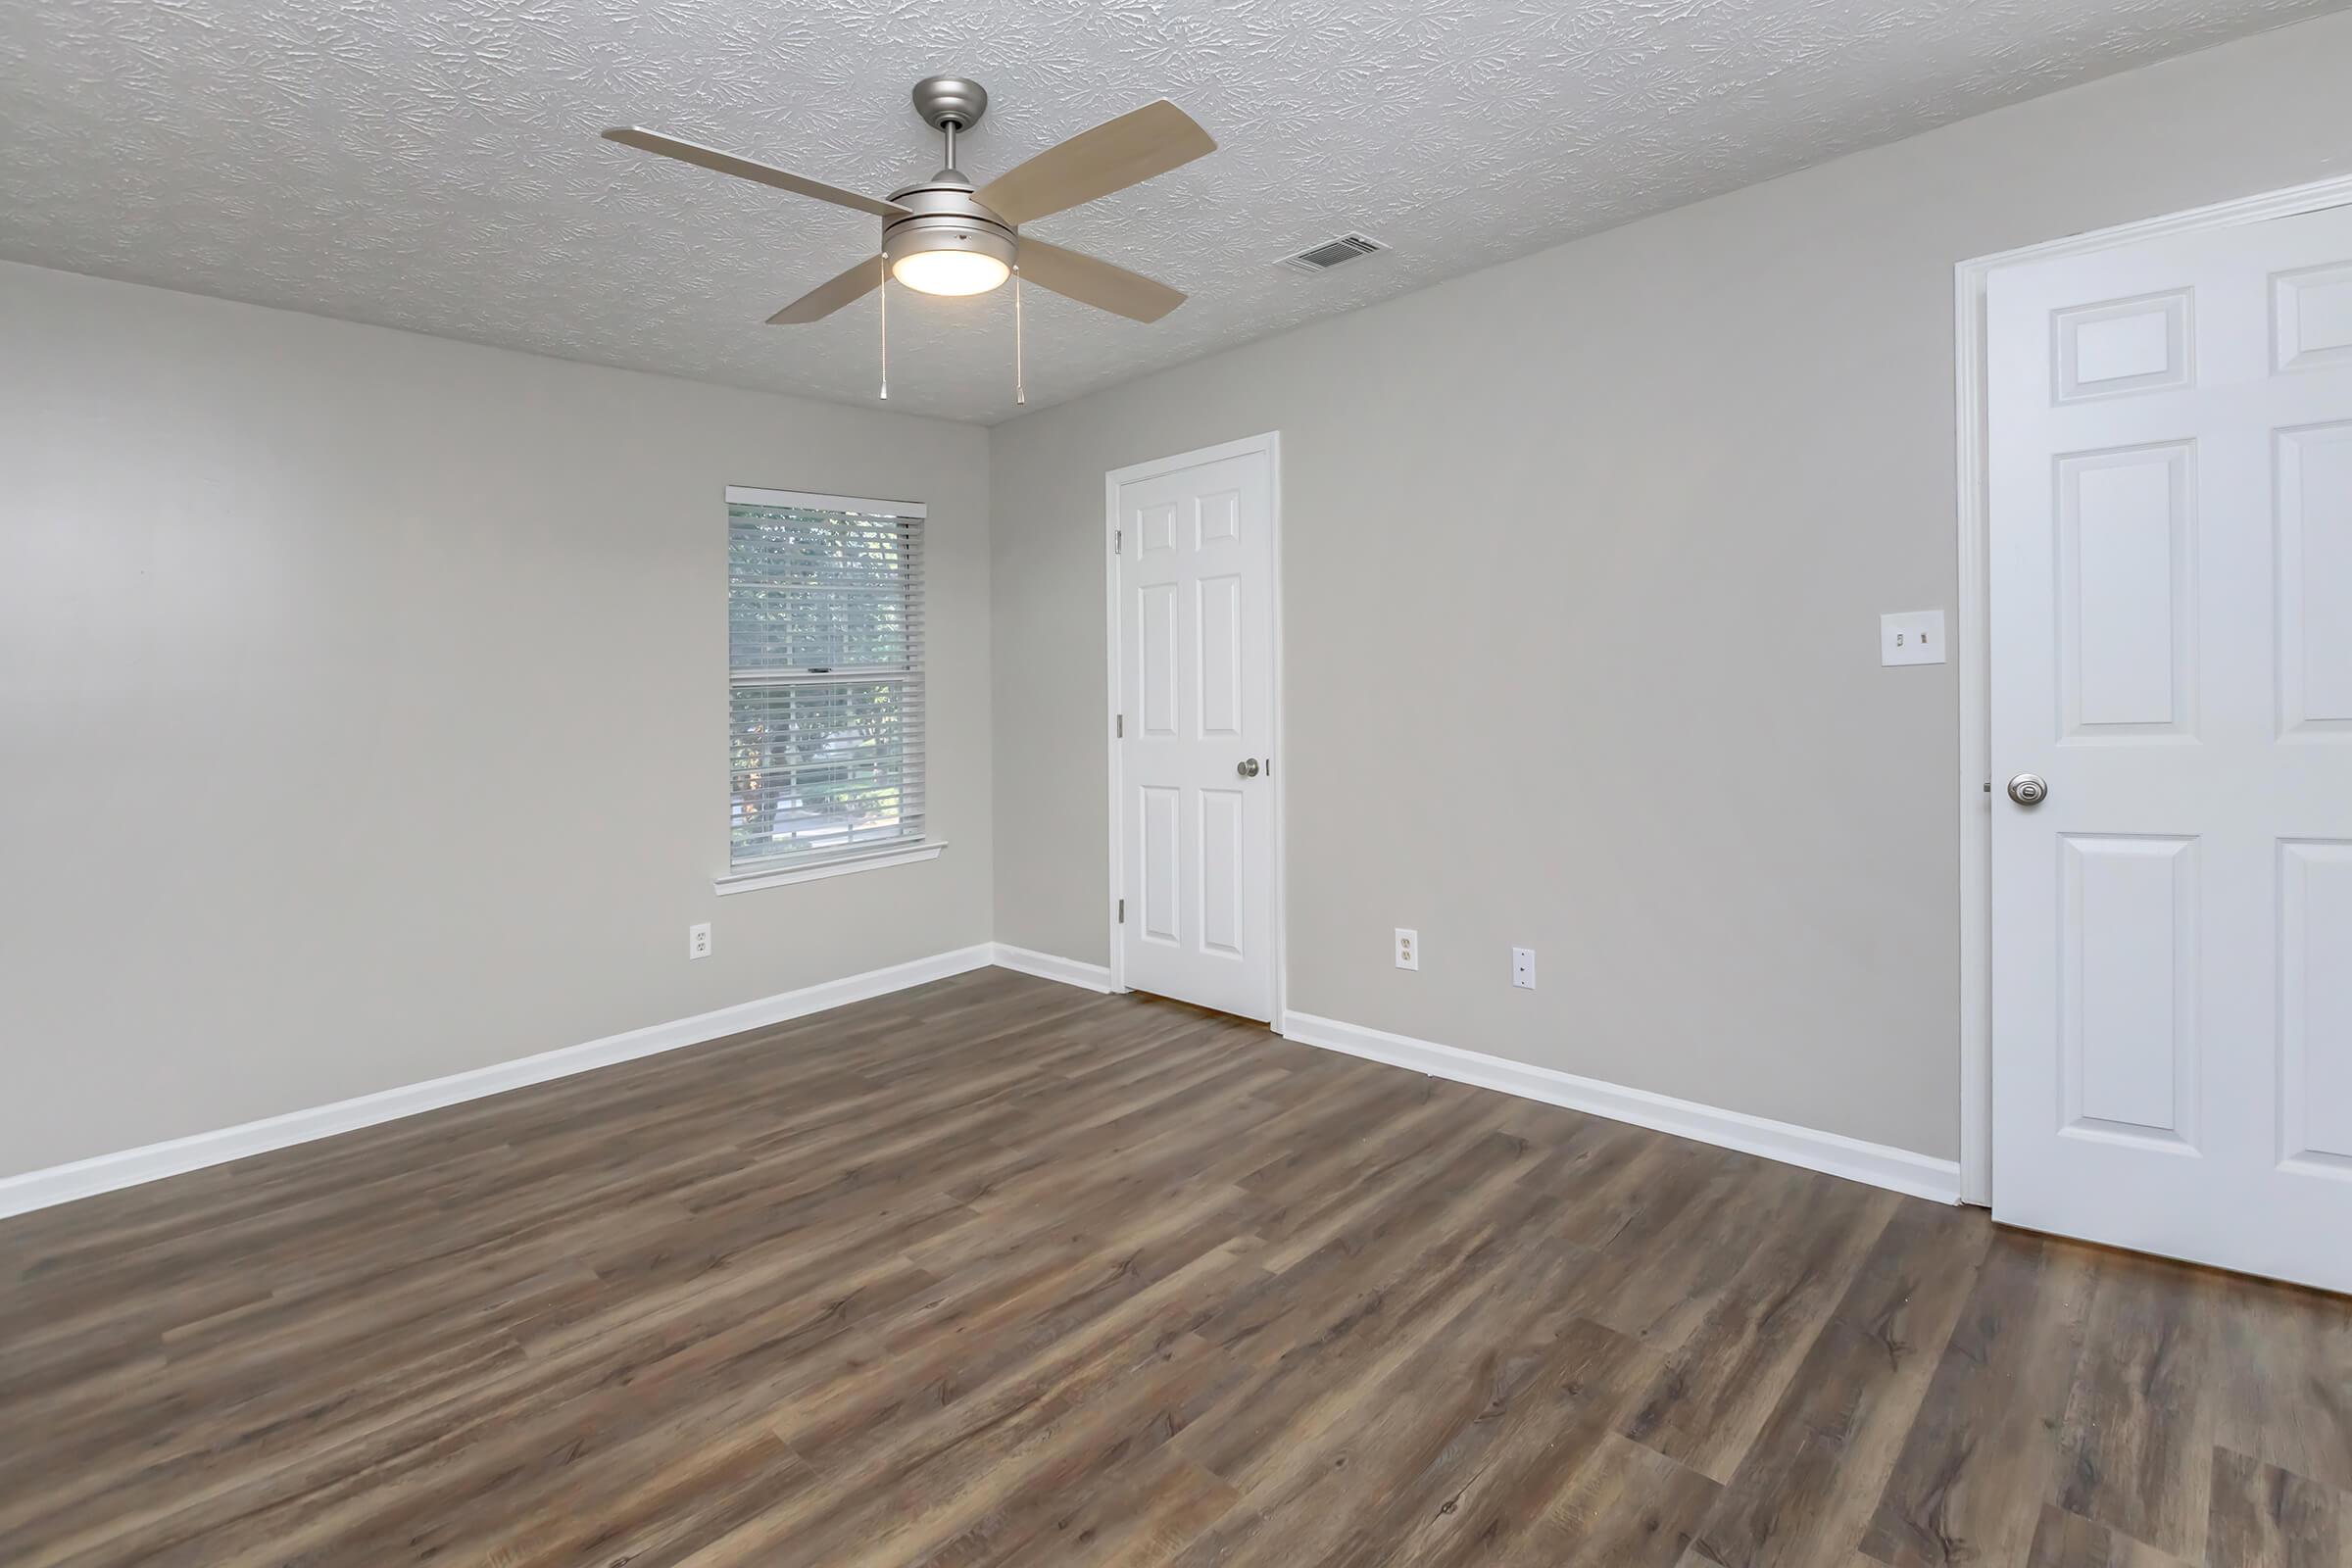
column 1408, row 949
column 698, row 941
column 1523, row 968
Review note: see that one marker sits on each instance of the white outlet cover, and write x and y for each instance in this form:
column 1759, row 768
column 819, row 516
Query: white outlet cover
column 698, row 941
column 1408, row 949
column 1523, row 968
column 1911, row 637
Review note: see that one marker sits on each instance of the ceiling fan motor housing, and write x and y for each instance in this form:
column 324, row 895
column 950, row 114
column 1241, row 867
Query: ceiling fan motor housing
column 945, row 218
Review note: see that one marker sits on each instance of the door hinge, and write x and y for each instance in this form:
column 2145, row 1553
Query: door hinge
column 1120, row 732
column 1119, row 540
column 1122, row 912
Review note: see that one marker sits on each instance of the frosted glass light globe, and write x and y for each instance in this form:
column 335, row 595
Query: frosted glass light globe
column 950, row 272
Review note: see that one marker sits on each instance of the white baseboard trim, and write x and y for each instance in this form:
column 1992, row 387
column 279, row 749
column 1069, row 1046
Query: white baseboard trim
column 1046, row 966
column 1830, row 1152
column 84, row 1178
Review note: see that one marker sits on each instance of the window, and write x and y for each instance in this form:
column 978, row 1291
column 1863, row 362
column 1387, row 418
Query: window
column 825, row 680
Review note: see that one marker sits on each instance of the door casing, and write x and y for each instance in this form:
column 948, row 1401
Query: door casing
column 1972, row 640
column 1269, row 443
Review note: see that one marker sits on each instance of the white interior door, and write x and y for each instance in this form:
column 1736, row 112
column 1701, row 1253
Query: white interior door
column 2170, row 449
column 1194, row 598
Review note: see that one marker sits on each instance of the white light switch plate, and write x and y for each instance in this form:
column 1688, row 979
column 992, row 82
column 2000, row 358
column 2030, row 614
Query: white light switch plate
column 1912, row 637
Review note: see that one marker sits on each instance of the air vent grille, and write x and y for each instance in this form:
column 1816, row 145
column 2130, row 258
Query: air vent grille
column 1331, row 253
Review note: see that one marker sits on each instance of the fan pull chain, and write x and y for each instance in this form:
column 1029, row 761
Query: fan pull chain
column 1020, row 393
column 883, row 293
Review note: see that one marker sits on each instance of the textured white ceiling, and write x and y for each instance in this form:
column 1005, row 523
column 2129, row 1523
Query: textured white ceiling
column 434, row 164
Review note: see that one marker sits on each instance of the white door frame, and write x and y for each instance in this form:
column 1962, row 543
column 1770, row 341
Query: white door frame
column 1975, row 518
column 1279, row 763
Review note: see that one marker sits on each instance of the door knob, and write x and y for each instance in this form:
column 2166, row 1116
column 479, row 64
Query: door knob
column 2029, row 789
column 1247, row 767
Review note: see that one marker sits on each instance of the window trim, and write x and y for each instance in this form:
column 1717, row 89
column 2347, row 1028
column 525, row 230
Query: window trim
column 835, row 865
column 785, row 870
column 739, row 494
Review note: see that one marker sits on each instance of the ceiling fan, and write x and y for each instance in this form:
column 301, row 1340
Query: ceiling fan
column 944, row 235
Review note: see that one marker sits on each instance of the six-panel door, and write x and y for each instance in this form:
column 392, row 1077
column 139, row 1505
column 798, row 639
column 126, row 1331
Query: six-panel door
column 1195, row 667
column 2171, row 455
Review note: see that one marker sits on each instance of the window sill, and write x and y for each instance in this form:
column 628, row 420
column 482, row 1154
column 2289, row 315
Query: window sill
column 837, row 865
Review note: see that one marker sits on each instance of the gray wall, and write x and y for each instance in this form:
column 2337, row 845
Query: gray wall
column 363, row 707
column 1584, row 556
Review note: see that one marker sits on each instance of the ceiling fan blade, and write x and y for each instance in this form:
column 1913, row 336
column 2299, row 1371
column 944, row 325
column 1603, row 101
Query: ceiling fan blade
column 1090, row 280
column 826, row 298
column 1115, row 155
column 653, row 141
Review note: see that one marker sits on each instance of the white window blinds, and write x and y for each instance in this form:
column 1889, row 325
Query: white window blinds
column 825, row 676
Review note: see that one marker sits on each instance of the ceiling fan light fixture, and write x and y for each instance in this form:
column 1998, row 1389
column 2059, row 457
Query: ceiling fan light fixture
column 946, row 252
column 950, row 272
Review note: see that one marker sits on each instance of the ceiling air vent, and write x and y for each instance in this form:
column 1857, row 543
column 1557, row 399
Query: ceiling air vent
column 1331, row 253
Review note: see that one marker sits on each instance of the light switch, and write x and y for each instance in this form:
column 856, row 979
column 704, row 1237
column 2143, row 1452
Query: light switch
column 1912, row 637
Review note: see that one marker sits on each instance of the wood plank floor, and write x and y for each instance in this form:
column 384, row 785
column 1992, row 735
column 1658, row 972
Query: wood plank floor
column 997, row 1272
